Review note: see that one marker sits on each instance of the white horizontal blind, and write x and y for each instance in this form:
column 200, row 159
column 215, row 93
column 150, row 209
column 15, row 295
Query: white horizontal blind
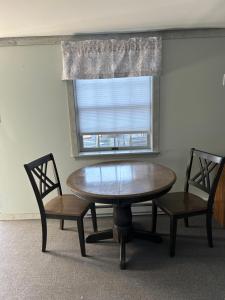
column 114, row 105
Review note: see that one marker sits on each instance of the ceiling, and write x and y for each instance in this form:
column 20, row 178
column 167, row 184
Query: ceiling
column 66, row 17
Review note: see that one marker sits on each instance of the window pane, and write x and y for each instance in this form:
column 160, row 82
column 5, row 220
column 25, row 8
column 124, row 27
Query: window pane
column 106, row 141
column 90, row 141
column 123, row 140
column 140, row 139
column 115, row 140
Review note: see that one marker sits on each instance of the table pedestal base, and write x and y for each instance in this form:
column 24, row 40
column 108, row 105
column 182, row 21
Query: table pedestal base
column 123, row 232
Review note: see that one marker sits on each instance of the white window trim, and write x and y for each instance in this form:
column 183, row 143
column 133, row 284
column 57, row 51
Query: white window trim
column 74, row 127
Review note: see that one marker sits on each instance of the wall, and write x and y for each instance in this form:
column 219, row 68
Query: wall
column 35, row 118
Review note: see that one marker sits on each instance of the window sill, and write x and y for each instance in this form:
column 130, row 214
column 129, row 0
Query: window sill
column 116, row 153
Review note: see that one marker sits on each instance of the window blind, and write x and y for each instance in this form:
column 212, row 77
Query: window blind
column 114, row 105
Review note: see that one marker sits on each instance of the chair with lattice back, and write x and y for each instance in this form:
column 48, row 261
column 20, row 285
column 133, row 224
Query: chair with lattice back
column 203, row 173
column 44, row 179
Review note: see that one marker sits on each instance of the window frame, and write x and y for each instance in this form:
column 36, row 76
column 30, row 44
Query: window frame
column 76, row 145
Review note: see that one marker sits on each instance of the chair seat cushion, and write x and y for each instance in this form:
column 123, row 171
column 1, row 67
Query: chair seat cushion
column 68, row 205
column 181, row 203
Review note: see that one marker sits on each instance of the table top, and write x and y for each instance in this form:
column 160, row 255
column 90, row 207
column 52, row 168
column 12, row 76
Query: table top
column 117, row 182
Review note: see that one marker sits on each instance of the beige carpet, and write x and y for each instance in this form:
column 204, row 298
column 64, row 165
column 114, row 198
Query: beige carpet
column 196, row 272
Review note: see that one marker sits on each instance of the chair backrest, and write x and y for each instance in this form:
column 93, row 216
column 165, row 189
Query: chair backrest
column 44, row 177
column 207, row 171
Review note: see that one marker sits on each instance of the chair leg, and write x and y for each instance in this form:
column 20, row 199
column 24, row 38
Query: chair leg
column 44, row 233
column 80, row 226
column 209, row 229
column 61, row 224
column 154, row 216
column 186, row 223
column 94, row 218
column 173, row 233
column 122, row 253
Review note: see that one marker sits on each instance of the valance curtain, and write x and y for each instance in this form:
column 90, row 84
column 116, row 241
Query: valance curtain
column 111, row 58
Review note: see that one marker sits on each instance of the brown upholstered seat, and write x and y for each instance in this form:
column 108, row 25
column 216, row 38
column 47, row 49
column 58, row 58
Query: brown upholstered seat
column 185, row 204
column 181, row 203
column 62, row 207
column 67, row 205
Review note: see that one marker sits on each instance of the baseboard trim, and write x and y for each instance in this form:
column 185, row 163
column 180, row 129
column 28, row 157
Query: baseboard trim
column 26, row 216
column 102, row 211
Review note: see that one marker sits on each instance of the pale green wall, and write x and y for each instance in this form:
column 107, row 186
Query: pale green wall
column 34, row 112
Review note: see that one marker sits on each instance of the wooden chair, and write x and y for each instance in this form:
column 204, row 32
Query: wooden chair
column 185, row 204
column 44, row 179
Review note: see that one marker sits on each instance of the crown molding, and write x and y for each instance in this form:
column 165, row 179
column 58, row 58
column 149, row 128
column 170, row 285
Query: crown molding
column 165, row 34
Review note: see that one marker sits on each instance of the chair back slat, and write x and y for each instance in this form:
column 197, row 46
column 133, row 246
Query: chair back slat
column 207, row 169
column 41, row 178
column 198, row 186
column 45, row 183
column 202, row 178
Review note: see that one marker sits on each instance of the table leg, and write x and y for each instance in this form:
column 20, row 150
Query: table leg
column 99, row 236
column 122, row 229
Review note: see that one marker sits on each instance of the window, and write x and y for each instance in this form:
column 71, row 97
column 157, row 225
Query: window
column 114, row 116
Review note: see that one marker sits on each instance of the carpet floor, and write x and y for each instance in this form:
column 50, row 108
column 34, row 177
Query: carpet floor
column 196, row 272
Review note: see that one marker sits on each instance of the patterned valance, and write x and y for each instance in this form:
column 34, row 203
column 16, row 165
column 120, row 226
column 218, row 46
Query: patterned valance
column 93, row 59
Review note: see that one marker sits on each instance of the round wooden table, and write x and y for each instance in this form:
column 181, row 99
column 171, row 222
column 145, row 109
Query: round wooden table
column 122, row 183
